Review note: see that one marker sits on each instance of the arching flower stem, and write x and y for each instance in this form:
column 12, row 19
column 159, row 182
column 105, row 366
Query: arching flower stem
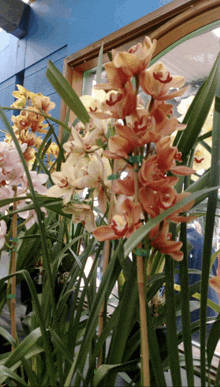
column 136, row 84
column 145, row 370
column 13, row 270
column 106, row 260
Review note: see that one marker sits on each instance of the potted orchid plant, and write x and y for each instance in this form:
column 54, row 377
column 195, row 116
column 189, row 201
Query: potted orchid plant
column 116, row 190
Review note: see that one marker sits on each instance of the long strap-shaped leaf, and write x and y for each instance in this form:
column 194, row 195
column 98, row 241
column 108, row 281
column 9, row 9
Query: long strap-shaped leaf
column 121, row 333
column 92, row 322
column 198, row 111
column 5, row 373
column 186, row 317
column 155, row 358
column 23, row 348
column 172, row 341
column 213, row 340
column 66, row 92
column 50, row 369
column 210, row 222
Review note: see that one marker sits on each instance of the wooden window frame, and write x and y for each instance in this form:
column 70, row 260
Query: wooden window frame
column 167, row 24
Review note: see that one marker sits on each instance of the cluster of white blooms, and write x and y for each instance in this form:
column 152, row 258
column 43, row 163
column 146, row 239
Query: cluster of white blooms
column 13, row 179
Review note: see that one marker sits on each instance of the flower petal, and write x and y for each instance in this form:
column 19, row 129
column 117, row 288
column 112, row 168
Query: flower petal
column 104, row 233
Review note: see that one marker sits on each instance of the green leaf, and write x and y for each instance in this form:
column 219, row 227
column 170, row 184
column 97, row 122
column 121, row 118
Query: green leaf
column 37, row 309
column 44, row 142
column 43, row 168
column 128, row 309
column 212, row 342
column 155, row 359
column 5, row 373
column 66, row 92
column 185, row 308
column 213, row 258
column 24, row 346
column 172, row 342
column 110, row 325
column 137, row 237
column 7, row 337
column 217, row 378
column 105, row 369
column 92, row 320
column 60, row 346
column 198, row 111
column 206, row 146
column 214, row 179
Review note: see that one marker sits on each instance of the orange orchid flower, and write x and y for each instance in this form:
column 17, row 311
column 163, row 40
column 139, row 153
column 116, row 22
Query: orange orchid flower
column 123, row 224
column 136, row 59
column 127, row 138
column 165, row 125
column 151, row 175
column 139, row 137
column 155, row 202
column 161, row 239
column 118, row 147
column 126, row 64
column 120, row 104
column 156, row 81
column 167, row 157
column 125, row 186
column 115, row 76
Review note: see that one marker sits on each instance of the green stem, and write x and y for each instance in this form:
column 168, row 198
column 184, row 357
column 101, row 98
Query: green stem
column 186, row 317
column 172, row 342
column 136, row 84
column 141, row 276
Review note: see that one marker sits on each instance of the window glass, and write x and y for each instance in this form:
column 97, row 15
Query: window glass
column 191, row 57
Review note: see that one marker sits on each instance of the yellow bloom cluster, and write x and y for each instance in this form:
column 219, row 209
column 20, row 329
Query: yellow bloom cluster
column 30, row 120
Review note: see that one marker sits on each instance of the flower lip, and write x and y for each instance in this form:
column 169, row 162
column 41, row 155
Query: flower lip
column 158, row 77
column 119, row 225
column 112, row 101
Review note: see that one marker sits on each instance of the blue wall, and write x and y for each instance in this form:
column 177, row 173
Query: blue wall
column 57, row 29
column 75, row 23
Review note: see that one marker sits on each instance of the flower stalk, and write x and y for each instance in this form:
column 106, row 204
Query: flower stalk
column 105, row 262
column 145, row 370
column 13, row 269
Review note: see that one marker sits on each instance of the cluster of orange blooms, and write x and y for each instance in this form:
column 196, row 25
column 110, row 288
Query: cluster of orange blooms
column 145, row 134
column 140, row 145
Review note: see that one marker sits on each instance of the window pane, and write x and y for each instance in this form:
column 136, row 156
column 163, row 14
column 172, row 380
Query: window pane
column 192, row 59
